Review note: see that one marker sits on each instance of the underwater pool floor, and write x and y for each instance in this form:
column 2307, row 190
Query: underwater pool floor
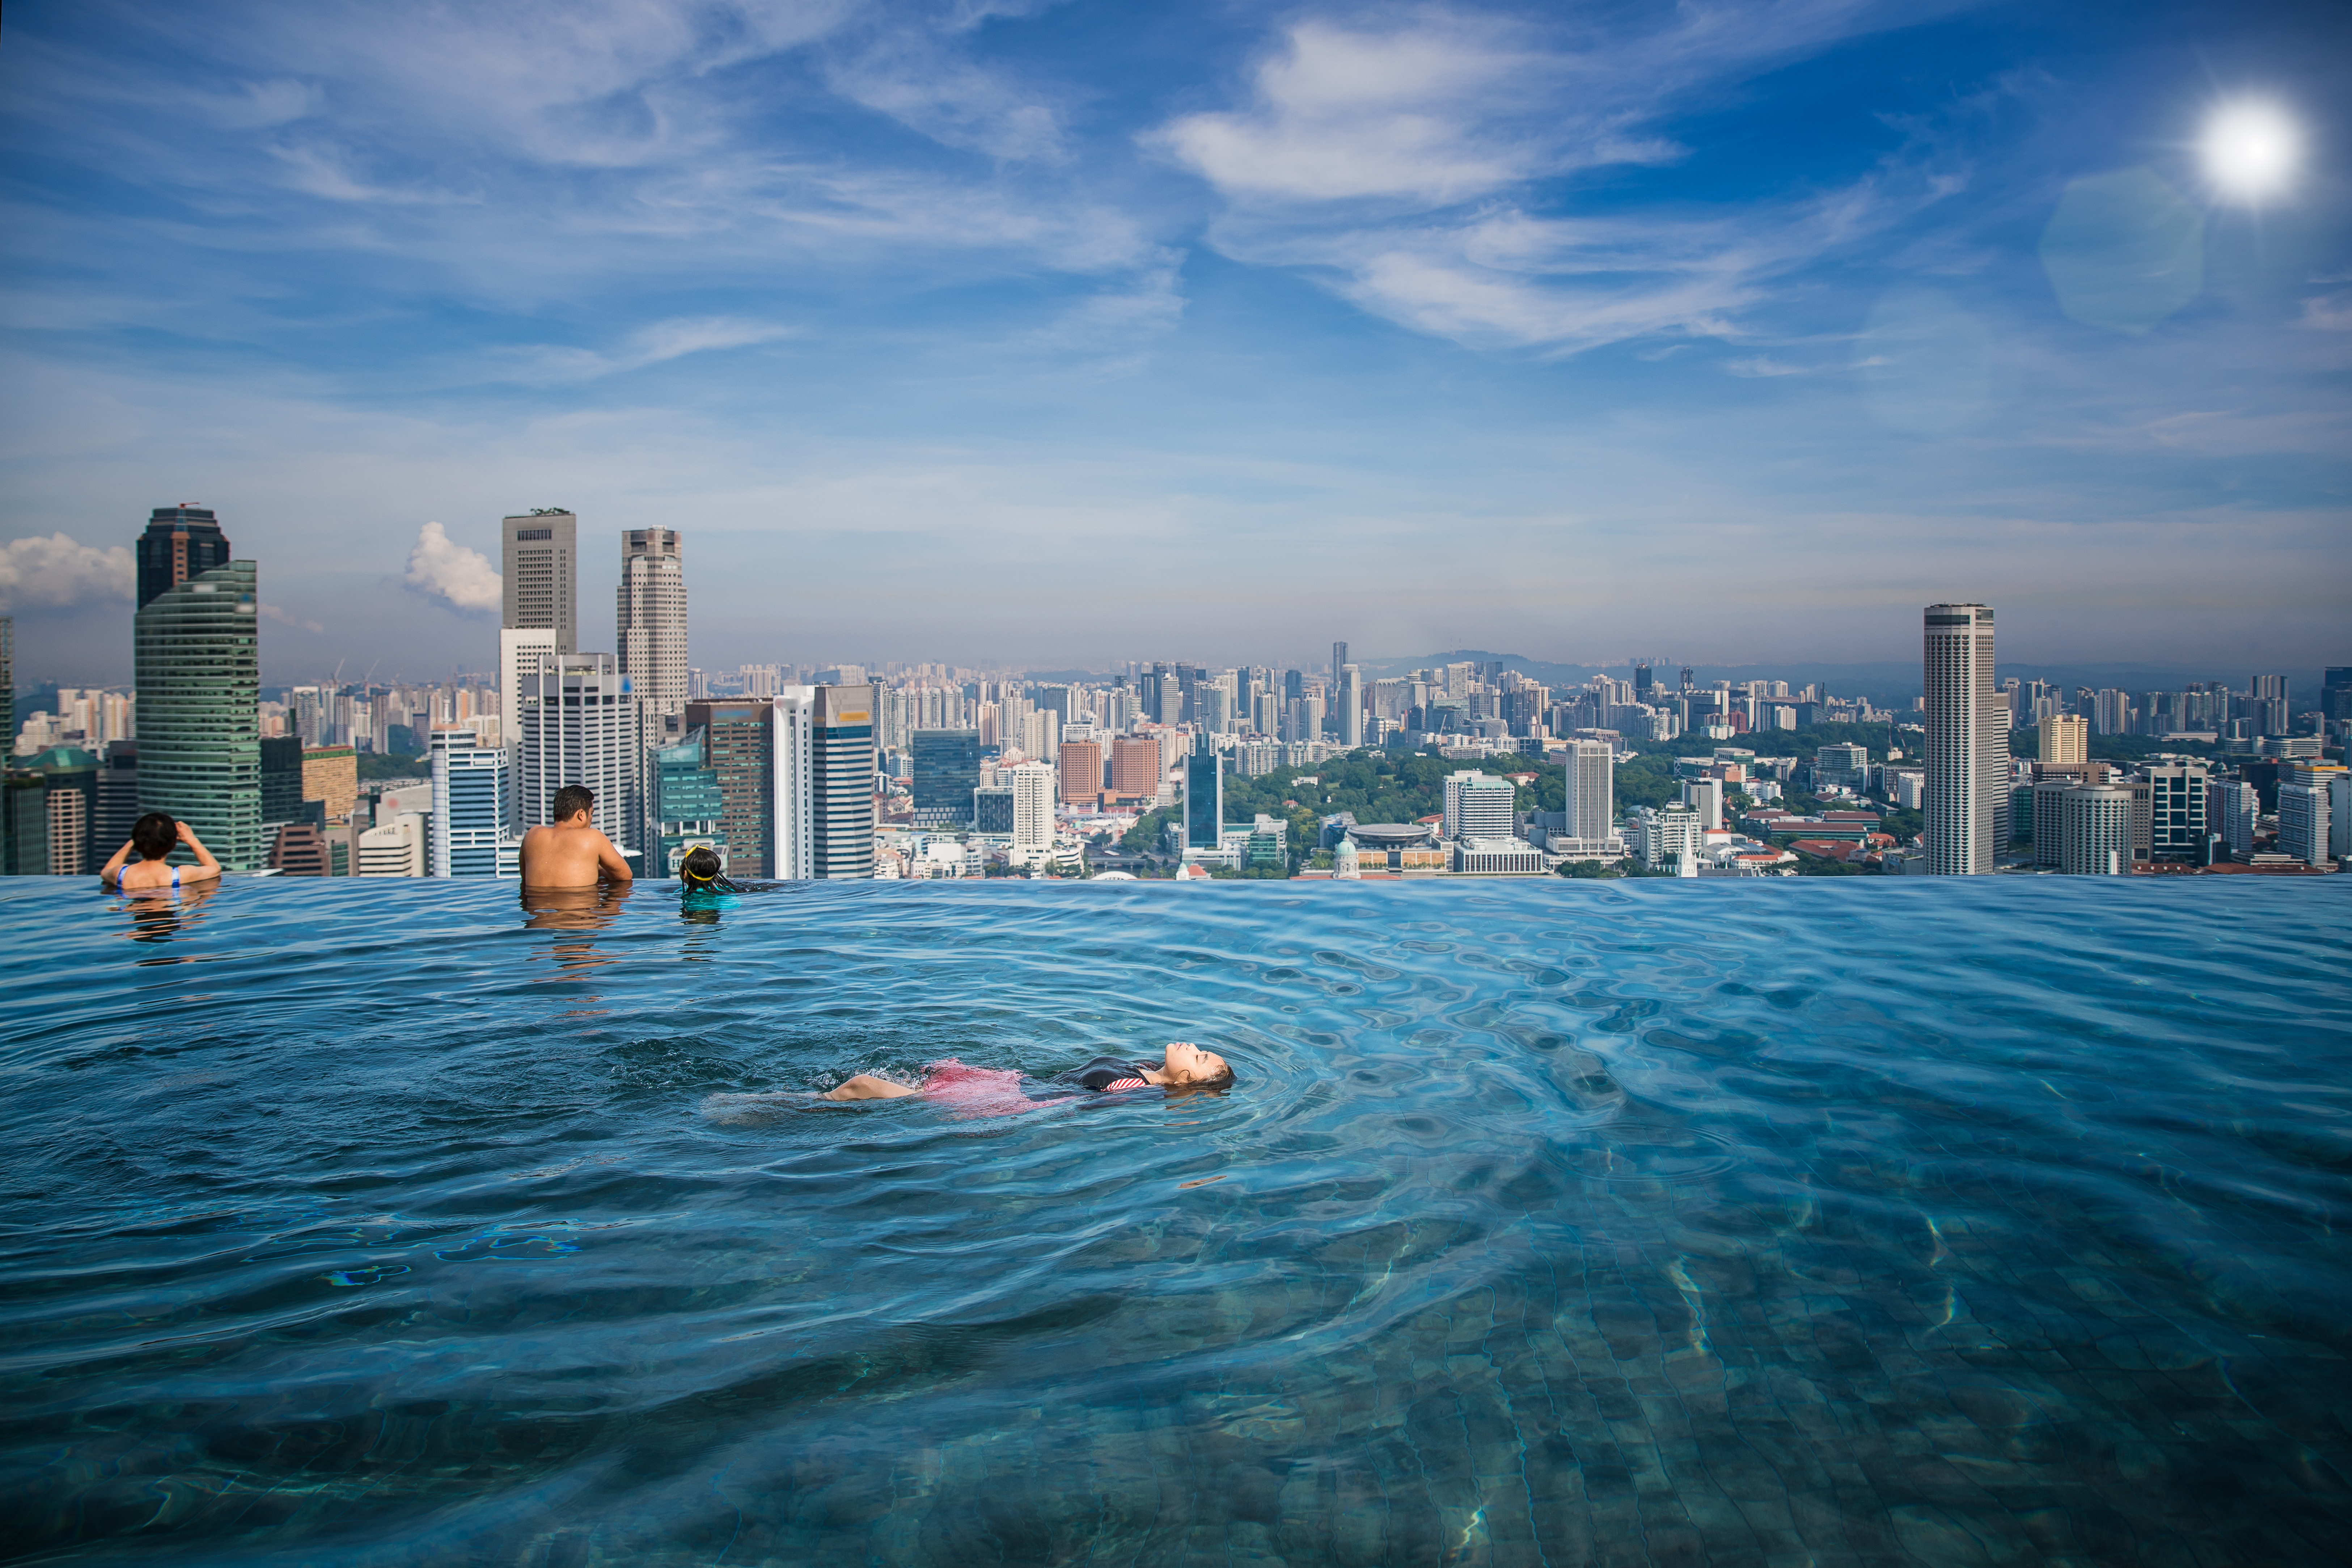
column 1558, row 1222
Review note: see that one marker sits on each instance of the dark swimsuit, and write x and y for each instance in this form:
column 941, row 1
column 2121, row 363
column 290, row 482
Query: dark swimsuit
column 1107, row 1075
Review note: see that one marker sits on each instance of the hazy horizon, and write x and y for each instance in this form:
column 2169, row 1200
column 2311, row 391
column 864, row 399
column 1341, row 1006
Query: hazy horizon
column 1003, row 332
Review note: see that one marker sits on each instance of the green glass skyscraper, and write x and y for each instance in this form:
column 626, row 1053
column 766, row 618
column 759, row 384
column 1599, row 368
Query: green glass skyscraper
column 196, row 661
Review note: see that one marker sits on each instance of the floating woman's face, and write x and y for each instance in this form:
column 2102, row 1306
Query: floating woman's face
column 1188, row 1063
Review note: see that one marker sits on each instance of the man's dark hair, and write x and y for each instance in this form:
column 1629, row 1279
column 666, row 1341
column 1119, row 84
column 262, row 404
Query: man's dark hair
column 570, row 801
column 155, row 836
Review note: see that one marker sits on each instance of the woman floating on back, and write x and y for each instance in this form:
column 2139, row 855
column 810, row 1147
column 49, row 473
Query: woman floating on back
column 1183, row 1065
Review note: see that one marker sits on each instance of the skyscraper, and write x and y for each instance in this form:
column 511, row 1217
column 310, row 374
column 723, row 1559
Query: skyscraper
column 1135, row 769
column 2177, row 793
column 540, row 590
column 1204, row 799
column 688, row 806
column 946, row 771
column 118, row 797
column 1968, row 776
column 1033, row 810
column 1352, row 706
column 2095, row 831
column 8, row 684
column 1478, row 805
column 196, row 663
column 2305, row 810
column 823, row 811
column 1339, row 661
column 1081, row 766
column 649, row 624
column 1590, row 804
column 181, row 542
column 577, row 724
column 740, row 746
column 471, row 833
column 2066, row 738
column 2334, row 691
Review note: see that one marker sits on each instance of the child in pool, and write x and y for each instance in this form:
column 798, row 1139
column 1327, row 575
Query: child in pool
column 1183, row 1065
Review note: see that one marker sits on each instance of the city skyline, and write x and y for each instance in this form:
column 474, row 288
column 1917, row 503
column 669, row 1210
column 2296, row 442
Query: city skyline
column 1797, row 311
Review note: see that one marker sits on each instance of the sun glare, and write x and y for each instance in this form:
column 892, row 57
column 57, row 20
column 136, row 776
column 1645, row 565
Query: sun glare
column 2250, row 150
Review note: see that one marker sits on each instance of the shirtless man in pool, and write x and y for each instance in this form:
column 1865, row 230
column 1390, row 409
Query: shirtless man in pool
column 567, row 851
column 1182, row 1066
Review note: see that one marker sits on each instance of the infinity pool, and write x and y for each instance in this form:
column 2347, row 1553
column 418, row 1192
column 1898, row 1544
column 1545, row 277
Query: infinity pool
column 1651, row 1222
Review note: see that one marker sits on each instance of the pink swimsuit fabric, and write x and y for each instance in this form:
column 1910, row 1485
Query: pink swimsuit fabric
column 980, row 1091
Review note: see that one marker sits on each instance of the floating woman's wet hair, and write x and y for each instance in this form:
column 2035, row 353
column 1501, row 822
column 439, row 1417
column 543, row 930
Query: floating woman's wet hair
column 701, row 871
column 155, row 836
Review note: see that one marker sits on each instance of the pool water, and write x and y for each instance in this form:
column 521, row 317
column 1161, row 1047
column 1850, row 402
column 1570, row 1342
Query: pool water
column 1551, row 1223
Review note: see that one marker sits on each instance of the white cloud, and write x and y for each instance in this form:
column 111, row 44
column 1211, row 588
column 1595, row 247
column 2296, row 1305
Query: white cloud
column 1764, row 365
column 59, row 571
column 447, row 570
column 1398, row 161
column 286, row 617
column 1429, row 111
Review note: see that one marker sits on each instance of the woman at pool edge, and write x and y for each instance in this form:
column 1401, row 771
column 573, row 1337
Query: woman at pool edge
column 154, row 836
column 1182, row 1066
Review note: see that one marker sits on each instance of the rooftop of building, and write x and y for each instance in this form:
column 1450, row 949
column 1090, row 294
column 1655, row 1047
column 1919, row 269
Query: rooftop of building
column 1390, row 834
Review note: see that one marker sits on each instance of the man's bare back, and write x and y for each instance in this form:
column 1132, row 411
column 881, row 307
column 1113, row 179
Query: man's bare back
column 571, row 853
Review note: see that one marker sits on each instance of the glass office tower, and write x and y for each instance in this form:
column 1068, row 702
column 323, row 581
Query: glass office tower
column 196, row 661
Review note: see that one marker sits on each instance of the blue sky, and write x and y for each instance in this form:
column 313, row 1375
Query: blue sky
column 1067, row 333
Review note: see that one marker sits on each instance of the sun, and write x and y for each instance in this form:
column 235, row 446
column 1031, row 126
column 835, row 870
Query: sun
column 2250, row 150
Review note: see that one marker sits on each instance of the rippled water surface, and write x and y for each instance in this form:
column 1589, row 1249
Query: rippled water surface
column 1836, row 1221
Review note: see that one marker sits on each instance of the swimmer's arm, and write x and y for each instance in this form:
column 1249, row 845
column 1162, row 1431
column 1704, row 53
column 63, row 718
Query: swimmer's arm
column 866, row 1085
column 608, row 860
column 113, row 869
column 206, row 867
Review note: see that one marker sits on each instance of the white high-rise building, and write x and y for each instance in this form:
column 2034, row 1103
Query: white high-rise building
column 519, row 651
column 2240, row 805
column 539, row 586
column 1704, row 796
column 1041, row 734
column 2111, row 712
column 649, row 623
column 2096, row 831
column 2306, row 826
column 1351, row 706
column 1968, row 744
column 823, row 808
column 1668, row 839
column 1591, row 798
column 1478, row 806
column 394, row 847
column 576, row 724
column 1033, row 809
column 471, row 831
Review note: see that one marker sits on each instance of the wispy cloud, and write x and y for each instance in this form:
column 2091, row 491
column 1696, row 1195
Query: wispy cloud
column 2329, row 312
column 655, row 345
column 286, row 617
